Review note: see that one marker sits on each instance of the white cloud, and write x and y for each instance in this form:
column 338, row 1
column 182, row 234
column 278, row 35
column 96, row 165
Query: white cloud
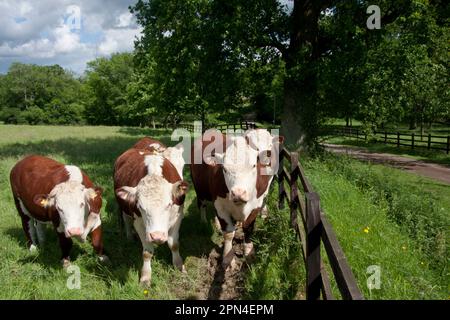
column 125, row 20
column 35, row 31
column 118, row 40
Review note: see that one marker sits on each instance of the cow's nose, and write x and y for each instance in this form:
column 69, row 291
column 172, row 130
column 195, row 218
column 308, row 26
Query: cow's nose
column 157, row 237
column 239, row 195
column 73, row 232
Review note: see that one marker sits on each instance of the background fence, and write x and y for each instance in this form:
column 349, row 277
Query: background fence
column 411, row 140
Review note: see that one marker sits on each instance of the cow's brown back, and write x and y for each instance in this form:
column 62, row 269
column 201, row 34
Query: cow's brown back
column 145, row 143
column 209, row 182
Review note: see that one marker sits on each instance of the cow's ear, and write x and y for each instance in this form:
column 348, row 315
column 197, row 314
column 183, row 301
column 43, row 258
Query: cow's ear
column 92, row 193
column 127, row 194
column 179, row 191
column 180, row 188
column 43, row 200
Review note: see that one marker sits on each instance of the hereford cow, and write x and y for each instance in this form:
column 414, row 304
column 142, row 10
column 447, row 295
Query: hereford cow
column 268, row 147
column 46, row 191
column 231, row 181
column 150, row 191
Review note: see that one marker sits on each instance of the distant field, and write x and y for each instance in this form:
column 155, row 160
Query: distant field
column 277, row 272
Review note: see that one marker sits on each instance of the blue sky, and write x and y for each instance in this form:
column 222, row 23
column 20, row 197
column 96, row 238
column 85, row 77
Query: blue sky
column 69, row 33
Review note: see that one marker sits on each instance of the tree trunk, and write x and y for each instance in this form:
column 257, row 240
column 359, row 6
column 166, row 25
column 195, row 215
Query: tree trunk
column 299, row 119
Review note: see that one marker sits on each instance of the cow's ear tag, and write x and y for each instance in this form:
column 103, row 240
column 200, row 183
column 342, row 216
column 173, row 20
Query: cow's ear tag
column 44, row 202
column 92, row 194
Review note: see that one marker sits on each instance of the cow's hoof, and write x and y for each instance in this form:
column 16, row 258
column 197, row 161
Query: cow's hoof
column 33, row 248
column 249, row 250
column 104, row 259
column 65, row 263
column 228, row 264
column 183, row 269
column 145, row 281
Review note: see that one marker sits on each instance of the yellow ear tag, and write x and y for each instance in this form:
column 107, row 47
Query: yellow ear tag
column 44, row 202
column 93, row 194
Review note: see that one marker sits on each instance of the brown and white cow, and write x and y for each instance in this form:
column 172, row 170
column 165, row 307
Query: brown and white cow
column 46, row 191
column 150, row 191
column 230, row 180
column 268, row 147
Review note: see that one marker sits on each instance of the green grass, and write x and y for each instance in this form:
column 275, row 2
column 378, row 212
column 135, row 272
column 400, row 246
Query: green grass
column 408, row 219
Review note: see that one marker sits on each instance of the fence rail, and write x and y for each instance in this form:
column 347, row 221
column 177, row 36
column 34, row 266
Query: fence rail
column 314, row 230
column 412, row 140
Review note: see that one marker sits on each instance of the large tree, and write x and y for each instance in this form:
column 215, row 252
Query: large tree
column 199, row 51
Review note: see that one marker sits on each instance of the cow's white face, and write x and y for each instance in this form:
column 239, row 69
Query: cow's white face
column 239, row 169
column 71, row 201
column 156, row 199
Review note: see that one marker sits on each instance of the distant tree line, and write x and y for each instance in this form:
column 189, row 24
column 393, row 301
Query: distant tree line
column 224, row 60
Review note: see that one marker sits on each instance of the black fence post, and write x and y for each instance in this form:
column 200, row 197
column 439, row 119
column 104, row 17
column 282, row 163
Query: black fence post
column 429, row 141
column 412, row 140
column 398, row 139
column 314, row 232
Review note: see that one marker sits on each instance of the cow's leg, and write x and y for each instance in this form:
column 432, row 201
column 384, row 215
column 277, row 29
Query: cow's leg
column 228, row 230
column 65, row 245
column 248, row 226
column 128, row 224
column 147, row 253
column 201, row 204
column 27, row 225
column 97, row 244
column 40, row 232
column 174, row 246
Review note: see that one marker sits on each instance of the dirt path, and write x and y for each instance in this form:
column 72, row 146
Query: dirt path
column 431, row 170
column 225, row 285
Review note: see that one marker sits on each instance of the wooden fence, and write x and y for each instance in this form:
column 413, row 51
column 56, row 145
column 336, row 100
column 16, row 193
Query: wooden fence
column 412, row 140
column 243, row 125
column 313, row 230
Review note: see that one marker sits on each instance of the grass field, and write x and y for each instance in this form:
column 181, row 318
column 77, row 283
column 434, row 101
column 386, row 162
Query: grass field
column 413, row 266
